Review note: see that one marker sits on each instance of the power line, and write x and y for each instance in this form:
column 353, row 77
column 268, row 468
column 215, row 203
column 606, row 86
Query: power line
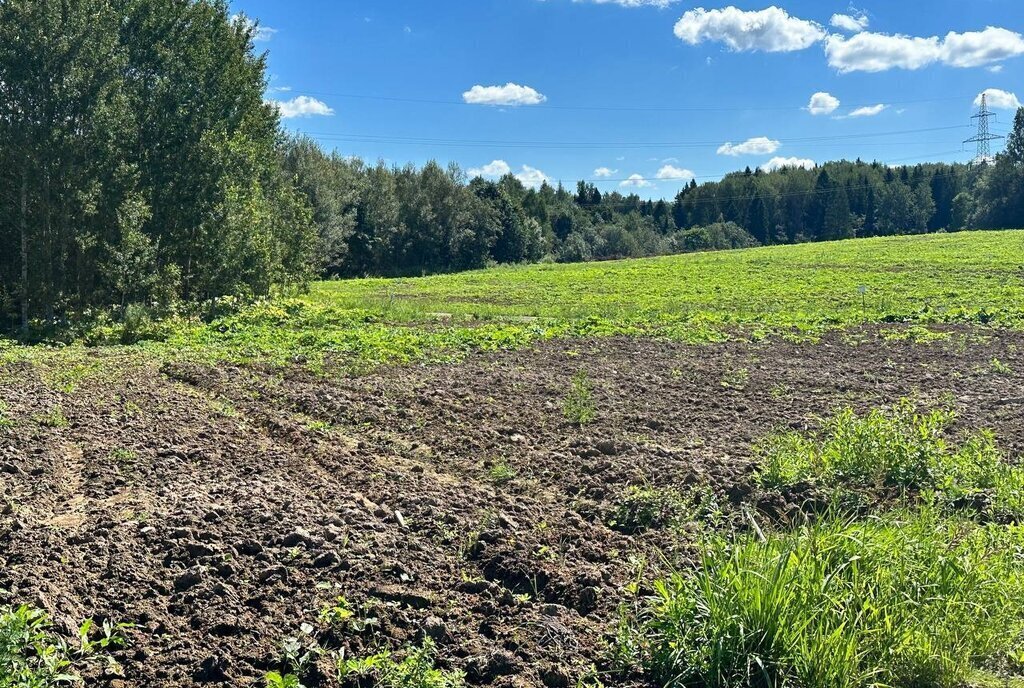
column 602, row 145
column 612, row 108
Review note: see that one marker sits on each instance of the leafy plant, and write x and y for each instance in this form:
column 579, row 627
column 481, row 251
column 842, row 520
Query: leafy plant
column 415, row 670
column 275, row 679
column 896, row 448
column 578, row 406
column 32, row 656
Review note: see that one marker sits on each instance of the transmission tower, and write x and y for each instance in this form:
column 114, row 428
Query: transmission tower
column 984, row 135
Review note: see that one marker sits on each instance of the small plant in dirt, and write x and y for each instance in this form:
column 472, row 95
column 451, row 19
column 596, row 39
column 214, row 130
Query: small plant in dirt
column 646, row 508
column 32, row 656
column 415, row 670
column 54, row 418
column 1000, row 368
column 900, row 448
column 578, row 406
column 904, row 599
column 5, row 420
column 501, row 473
column 276, row 679
column 122, row 455
column 736, row 378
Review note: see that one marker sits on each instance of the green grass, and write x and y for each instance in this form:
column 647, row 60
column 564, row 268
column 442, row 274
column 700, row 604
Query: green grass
column 796, row 291
column 578, row 406
column 906, row 599
column 901, row 448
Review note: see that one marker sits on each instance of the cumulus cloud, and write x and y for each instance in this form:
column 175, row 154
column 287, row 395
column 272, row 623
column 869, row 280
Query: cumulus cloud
column 847, row 22
column 997, row 98
column 636, row 181
column 868, row 110
column 604, row 172
column 823, row 104
column 531, row 176
column 676, row 173
column 877, row 52
column 302, row 106
column 495, row 168
column 980, row 48
column 770, row 30
column 509, row 94
column 778, row 163
column 760, row 145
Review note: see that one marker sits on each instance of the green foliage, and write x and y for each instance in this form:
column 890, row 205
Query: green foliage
column 644, row 508
column 145, row 188
column 275, row 679
column 415, row 670
column 32, row 656
column 578, row 405
column 54, row 418
column 902, row 600
column 501, row 472
column 898, row 447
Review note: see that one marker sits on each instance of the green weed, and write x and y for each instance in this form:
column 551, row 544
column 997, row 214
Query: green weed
column 501, row 473
column 415, row 670
column 578, row 405
column 645, row 508
column 898, row 448
column 32, row 656
column 53, row 418
column 909, row 599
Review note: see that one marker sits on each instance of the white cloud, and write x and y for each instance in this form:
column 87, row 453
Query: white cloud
column 848, row 22
column 495, row 168
column 769, row 30
column 761, row 145
column 531, row 176
column 632, row 3
column 995, row 69
column 823, row 104
column 877, row 52
column 868, row 110
column 509, row 94
column 604, row 172
column 980, row 48
column 636, row 181
column 261, row 34
column 676, row 173
column 302, row 106
column 778, row 163
column 1003, row 100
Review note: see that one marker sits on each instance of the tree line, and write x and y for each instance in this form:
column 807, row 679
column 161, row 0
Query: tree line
column 141, row 164
column 381, row 220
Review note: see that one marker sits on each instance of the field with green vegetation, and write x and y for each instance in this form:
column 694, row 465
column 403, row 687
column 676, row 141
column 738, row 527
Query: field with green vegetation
column 791, row 291
column 784, row 466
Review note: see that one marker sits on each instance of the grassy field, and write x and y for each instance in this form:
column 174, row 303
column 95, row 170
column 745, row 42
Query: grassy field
column 794, row 291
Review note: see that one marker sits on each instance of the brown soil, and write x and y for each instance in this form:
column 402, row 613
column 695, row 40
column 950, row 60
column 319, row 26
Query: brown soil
column 251, row 498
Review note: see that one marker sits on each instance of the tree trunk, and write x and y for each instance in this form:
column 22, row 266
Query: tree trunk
column 24, row 255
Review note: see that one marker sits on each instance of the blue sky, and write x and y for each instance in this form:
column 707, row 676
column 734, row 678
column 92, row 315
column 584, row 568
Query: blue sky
column 618, row 91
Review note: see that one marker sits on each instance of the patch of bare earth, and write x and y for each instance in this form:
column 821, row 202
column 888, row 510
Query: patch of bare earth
column 219, row 509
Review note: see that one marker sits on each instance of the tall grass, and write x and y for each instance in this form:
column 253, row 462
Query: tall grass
column 906, row 599
column 901, row 448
